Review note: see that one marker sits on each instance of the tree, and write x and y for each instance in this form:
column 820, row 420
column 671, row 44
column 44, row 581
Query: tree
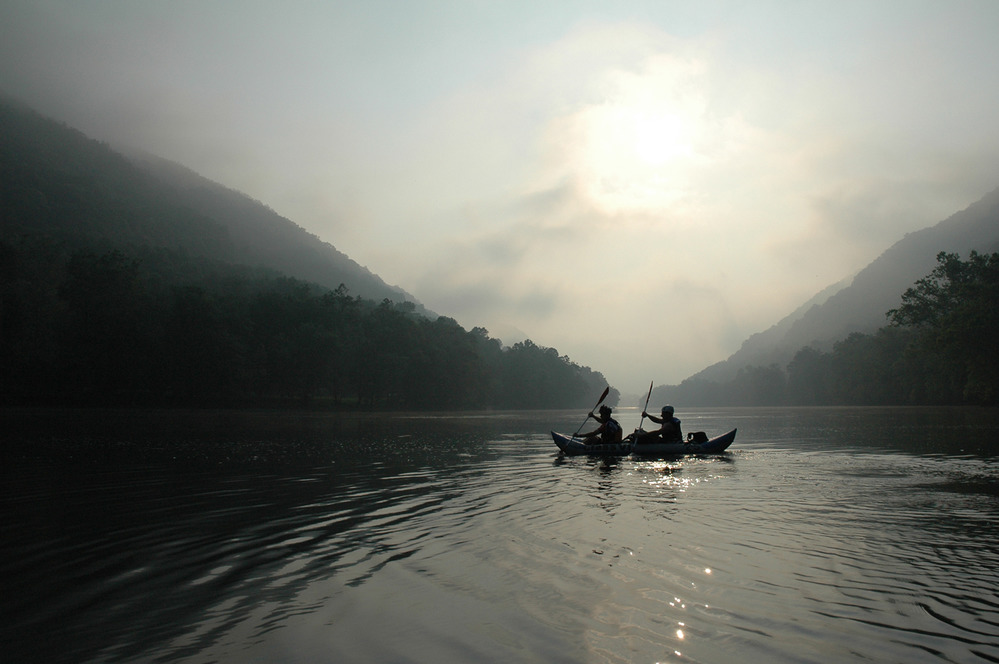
column 808, row 378
column 108, row 329
column 866, row 369
column 758, row 386
column 954, row 313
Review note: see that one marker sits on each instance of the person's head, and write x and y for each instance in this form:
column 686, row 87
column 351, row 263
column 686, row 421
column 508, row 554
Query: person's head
column 605, row 411
column 667, row 411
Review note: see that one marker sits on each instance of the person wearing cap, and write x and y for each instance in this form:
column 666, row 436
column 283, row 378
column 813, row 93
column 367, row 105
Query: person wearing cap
column 669, row 429
column 608, row 432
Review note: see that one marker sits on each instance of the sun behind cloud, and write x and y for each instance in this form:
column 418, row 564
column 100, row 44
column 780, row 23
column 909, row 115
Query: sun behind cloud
column 642, row 145
column 660, row 137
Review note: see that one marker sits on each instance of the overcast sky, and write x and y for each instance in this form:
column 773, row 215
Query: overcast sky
column 641, row 185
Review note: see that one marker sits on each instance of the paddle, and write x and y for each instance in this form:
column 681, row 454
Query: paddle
column 599, row 401
column 642, row 421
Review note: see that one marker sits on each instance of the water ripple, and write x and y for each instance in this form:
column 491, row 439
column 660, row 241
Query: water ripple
column 491, row 548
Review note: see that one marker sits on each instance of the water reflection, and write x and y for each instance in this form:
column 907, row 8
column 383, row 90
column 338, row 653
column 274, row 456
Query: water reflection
column 245, row 538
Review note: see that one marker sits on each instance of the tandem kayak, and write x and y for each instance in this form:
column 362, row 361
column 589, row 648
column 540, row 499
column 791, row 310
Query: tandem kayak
column 573, row 446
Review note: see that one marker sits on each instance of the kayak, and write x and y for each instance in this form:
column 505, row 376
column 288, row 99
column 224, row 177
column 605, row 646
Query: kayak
column 572, row 446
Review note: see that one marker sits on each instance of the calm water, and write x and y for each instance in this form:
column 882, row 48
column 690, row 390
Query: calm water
column 823, row 535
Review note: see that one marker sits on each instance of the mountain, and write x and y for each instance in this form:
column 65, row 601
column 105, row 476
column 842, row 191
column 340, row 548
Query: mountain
column 57, row 183
column 262, row 236
column 860, row 304
column 134, row 281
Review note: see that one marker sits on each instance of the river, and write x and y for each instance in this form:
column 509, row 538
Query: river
column 822, row 535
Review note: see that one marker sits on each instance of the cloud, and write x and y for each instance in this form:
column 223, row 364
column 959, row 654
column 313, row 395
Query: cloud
column 646, row 199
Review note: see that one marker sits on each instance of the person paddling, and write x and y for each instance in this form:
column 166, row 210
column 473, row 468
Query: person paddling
column 608, row 432
column 668, row 432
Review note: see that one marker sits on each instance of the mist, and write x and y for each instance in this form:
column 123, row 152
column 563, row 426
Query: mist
column 641, row 186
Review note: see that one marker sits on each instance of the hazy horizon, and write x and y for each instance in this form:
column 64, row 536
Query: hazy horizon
column 640, row 185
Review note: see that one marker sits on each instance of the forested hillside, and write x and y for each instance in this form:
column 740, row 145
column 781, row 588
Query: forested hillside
column 121, row 286
column 261, row 236
column 58, row 183
column 859, row 304
column 940, row 346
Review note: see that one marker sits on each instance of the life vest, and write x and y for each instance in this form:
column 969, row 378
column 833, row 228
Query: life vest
column 677, row 433
column 612, row 431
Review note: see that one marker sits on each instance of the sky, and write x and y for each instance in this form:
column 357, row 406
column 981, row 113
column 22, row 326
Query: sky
column 641, row 185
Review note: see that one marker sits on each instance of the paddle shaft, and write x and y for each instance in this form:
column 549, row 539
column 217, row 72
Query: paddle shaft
column 642, row 421
column 599, row 401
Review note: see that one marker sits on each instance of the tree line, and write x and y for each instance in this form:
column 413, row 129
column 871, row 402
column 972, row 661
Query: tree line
column 162, row 328
column 940, row 346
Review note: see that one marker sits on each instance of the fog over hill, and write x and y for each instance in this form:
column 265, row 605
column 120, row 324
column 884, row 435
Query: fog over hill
column 261, row 234
column 135, row 281
column 859, row 304
column 61, row 184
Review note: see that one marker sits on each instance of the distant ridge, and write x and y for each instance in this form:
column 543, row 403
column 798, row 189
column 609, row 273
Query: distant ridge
column 126, row 202
column 262, row 235
column 140, row 283
column 860, row 305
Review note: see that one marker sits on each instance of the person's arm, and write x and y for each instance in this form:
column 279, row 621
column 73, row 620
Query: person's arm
column 596, row 432
column 587, row 435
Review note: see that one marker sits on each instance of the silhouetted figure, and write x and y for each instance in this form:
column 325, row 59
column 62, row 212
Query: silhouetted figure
column 608, row 432
column 668, row 431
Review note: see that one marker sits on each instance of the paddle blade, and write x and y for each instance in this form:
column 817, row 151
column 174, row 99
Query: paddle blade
column 603, row 396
